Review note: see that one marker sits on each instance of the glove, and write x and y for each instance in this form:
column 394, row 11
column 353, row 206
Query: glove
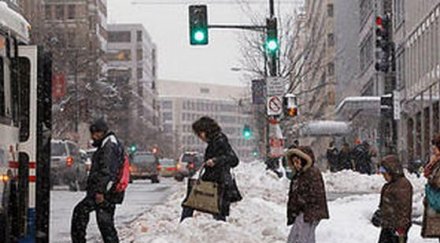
column 400, row 232
column 376, row 220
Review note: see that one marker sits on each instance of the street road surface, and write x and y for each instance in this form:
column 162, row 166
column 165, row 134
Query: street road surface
column 140, row 196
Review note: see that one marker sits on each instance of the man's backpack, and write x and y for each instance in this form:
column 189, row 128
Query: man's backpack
column 123, row 175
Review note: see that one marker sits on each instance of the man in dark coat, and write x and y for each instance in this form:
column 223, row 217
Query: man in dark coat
column 333, row 157
column 219, row 158
column 362, row 159
column 101, row 197
column 395, row 202
column 345, row 157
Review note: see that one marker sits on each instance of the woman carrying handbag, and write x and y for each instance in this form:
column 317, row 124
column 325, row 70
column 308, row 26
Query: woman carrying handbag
column 219, row 159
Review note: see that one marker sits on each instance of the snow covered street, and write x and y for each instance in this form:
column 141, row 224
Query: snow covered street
column 260, row 217
column 140, row 196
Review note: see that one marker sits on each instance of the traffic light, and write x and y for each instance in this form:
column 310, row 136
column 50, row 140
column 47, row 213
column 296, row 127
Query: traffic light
column 386, row 104
column 132, row 148
column 290, row 105
column 384, row 44
column 247, row 132
column 198, row 25
column 271, row 44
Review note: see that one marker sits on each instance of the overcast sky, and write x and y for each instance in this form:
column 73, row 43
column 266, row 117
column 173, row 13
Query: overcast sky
column 168, row 27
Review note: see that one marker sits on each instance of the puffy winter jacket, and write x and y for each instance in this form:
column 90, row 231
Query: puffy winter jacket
column 106, row 162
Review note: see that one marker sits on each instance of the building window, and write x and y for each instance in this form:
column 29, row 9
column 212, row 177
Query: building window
column 140, row 72
column 59, row 12
column 71, row 11
column 167, row 116
column 331, row 39
column 48, row 11
column 167, row 104
column 122, row 55
column 119, row 36
column 140, row 54
column 139, row 36
column 330, row 10
column 204, row 90
column 366, row 53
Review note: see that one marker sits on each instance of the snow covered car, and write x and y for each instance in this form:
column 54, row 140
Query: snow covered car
column 66, row 165
column 144, row 165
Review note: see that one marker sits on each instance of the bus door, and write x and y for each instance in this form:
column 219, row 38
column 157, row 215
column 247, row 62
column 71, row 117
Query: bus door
column 34, row 80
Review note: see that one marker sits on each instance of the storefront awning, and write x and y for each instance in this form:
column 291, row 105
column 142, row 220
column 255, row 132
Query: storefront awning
column 324, row 128
column 352, row 105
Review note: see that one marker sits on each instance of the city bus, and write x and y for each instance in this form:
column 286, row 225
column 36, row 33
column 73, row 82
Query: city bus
column 25, row 133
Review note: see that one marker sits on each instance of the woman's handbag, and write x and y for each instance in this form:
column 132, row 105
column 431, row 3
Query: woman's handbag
column 233, row 194
column 433, row 197
column 204, row 196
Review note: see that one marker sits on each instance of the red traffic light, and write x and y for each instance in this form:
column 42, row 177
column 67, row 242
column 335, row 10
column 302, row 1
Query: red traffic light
column 379, row 21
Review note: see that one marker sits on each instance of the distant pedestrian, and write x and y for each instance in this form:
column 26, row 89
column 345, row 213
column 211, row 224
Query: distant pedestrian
column 101, row 196
column 431, row 215
column 219, row 159
column 395, row 202
column 345, row 157
column 333, row 157
column 307, row 204
column 362, row 158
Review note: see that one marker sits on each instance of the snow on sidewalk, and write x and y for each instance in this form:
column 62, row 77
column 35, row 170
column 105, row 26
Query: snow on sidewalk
column 261, row 215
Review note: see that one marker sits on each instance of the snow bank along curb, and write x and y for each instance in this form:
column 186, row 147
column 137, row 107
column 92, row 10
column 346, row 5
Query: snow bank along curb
column 260, row 217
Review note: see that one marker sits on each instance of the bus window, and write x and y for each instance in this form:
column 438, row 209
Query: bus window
column 21, row 71
column 2, row 89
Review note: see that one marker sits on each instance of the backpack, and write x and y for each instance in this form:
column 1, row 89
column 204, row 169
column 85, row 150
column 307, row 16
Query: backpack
column 123, row 175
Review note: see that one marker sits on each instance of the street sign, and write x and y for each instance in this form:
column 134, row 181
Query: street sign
column 275, row 86
column 274, row 106
column 396, row 105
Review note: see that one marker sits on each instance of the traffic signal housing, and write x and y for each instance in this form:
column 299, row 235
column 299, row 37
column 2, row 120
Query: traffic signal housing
column 271, row 44
column 384, row 43
column 247, row 132
column 290, row 104
column 198, row 25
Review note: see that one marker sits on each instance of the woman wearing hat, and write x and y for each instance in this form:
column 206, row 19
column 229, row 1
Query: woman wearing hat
column 307, row 203
column 395, row 202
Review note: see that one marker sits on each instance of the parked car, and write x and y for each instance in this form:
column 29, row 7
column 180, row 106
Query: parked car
column 168, row 167
column 144, row 165
column 67, row 167
column 188, row 164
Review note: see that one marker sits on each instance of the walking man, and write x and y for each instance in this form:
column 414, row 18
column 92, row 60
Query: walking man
column 101, row 195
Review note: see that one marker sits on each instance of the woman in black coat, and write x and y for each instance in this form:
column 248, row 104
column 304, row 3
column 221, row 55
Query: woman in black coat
column 219, row 158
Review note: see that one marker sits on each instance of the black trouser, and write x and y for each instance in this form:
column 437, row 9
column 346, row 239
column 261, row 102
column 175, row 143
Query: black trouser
column 389, row 236
column 105, row 213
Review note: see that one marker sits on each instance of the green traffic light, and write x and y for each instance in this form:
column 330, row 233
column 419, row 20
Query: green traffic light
column 199, row 36
column 272, row 45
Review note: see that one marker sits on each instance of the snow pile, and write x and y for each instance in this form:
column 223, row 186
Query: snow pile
column 350, row 181
column 261, row 215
